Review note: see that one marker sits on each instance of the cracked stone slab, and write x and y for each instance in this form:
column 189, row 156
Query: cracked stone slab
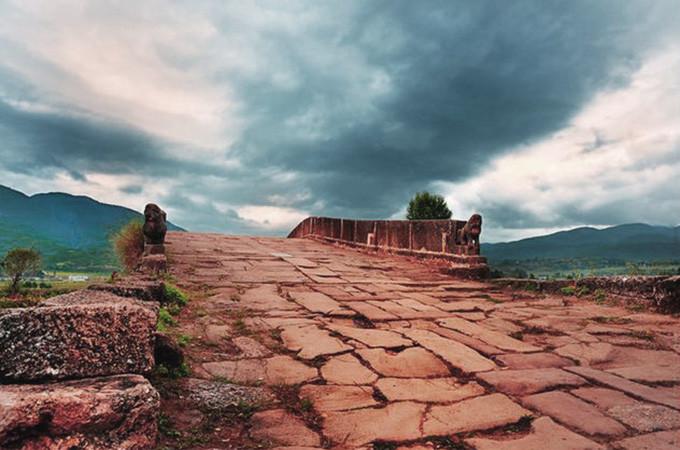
column 480, row 413
column 399, row 421
column 455, row 353
column 655, row 395
column 316, row 302
column 372, row 337
column 280, row 427
column 311, row 341
column 432, row 390
column 414, row 362
column 533, row 360
column 499, row 340
column 545, row 435
column 662, row 440
column 338, row 398
column 528, row 381
column 279, row 369
column 574, row 413
column 347, row 369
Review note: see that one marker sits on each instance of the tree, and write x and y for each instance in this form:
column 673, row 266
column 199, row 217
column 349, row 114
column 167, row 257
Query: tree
column 425, row 206
column 17, row 263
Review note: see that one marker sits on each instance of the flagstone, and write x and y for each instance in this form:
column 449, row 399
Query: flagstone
column 533, row 360
column 500, row 340
column 455, row 353
column 372, row 337
column 411, row 362
column 283, row 428
column 528, row 381
column 338, row 398
column 315, row 302
column 399, row 421
column 545, row 435
column 311, row 341
column 480, row 413
column 433, row 390
column 347, row 369
column 662, row 440
column 574, row 413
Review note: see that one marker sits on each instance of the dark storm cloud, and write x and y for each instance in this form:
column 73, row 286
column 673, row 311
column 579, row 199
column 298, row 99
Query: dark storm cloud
column 468, row 81
column 378, row 100
column 35, row 140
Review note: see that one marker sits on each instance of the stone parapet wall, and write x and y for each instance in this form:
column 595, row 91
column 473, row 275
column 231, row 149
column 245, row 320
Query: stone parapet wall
column 659, row 292
column 438, row 238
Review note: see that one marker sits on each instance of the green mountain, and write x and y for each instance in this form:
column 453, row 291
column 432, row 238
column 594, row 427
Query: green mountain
column 71, row 232
column 622, row 249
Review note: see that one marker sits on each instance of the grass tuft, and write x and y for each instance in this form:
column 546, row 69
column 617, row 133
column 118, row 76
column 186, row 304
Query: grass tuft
column 128, row 244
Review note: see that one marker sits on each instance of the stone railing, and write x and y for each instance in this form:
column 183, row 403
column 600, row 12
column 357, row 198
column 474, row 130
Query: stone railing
column 456, row 240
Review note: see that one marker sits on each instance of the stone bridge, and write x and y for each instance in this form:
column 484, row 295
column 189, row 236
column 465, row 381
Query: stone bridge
column 358, row 350
column 297, row 344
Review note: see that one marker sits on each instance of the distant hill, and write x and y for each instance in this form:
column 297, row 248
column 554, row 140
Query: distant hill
column 72, row 232
column 631, row 242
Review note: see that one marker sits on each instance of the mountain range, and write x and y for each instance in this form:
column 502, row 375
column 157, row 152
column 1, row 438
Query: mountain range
column 71, row 232
column 630, row 242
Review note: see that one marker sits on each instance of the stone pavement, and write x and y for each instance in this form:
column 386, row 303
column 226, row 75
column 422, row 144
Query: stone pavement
column 389, row 353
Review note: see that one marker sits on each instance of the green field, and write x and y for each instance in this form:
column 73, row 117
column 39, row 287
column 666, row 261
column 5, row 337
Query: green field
column 579, row 268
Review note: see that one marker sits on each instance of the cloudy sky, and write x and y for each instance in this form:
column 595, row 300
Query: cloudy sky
column 246, row 117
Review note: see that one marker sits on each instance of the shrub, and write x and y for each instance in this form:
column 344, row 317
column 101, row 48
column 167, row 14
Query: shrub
column 568, row 290
column 424, row 206
column 128, row 244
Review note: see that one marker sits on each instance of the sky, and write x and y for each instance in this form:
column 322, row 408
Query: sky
column 246, row 117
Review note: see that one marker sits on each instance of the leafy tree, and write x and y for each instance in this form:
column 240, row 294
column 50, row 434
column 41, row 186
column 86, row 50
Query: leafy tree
column 17, row 263
column 425, row 206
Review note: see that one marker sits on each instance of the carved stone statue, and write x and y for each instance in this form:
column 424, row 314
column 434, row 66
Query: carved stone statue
column 469, row 234
column 154, row 225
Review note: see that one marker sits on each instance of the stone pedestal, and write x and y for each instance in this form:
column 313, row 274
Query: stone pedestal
column 83, row 334
column 154, row 249
column 154, row 264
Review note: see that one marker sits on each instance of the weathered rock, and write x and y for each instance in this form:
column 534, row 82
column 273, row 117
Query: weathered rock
column 84, row 334
column 528, row 381
column 218, row 396
column 455, row 353
column 280, row 427
column 138, row 289
column 434, row 390
column 480, row 413
column 112, row 413
column 413, row 362
column 346, row 369
column 663, row 440
column 338, row 398
column 372, row 338
column 154, row 264
column 399, row 421
column 533, row 360
column 310, row 342
column 545, row 435
column 574, row 413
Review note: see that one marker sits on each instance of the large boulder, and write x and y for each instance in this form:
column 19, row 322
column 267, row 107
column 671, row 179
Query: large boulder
column 118, row 412
column 78, row 335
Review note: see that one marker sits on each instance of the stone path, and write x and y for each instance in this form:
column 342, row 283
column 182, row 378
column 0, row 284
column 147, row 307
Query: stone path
column 386, row 352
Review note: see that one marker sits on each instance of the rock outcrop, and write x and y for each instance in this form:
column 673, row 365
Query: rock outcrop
column 110, row 413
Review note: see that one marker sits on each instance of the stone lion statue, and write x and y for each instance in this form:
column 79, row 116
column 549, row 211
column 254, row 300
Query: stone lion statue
column 469, row 234
column 154, row 225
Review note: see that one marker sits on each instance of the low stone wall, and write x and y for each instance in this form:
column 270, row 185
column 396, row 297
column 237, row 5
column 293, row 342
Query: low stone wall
column 435, row 238
column 71, row 367
column 662, row 293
